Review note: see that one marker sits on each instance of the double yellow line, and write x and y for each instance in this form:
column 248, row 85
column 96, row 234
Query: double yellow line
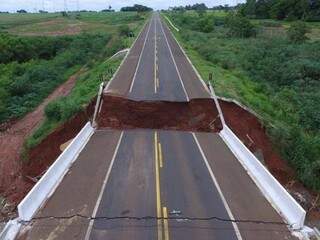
column 162, row 213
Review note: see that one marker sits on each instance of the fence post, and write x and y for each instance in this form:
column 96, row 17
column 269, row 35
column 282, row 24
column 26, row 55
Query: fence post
column 217, row 105
column 99, row 98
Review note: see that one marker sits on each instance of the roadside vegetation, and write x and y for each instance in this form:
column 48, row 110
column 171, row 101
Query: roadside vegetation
column 268, row 65
column 31, row 67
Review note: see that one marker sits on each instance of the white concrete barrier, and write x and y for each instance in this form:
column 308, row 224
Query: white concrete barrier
column 174, row 27
column 51, row 179
column 276, row 194
column 11, row 230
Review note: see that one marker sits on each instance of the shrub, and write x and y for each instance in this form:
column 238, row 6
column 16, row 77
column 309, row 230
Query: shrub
column 206, row 24
column 124, row 30
column 297, row 32
column 53, row 111
column 239, row 26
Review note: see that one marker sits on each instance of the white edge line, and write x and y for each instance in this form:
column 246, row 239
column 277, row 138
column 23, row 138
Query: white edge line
column 95, row 210
column 174, row 61
column 140, row 57
column 235, row 226
column 194, row 68
column 155, row 58
column 127, row 54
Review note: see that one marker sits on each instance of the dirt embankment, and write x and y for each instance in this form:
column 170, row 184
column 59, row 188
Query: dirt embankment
column 253, row 134
column 196, row 115
column 13, row 185
column 43, row 155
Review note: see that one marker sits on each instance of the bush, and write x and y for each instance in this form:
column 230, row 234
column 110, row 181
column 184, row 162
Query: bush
column 206, row 24
column 61, row 109
column 286, row 84
column 53, row 111
column 28, row 82
column 124, row 30
column 239, row 26
column 297, row 32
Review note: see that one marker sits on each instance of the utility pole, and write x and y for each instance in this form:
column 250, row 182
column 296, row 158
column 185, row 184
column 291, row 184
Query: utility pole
column 65, row 5
column 43, row 9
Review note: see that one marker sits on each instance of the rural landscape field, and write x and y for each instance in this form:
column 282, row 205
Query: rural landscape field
column 41, row 53
column 262, row 58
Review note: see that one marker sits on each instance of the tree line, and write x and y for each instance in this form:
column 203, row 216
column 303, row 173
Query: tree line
column 136, row 8
column 308, row 10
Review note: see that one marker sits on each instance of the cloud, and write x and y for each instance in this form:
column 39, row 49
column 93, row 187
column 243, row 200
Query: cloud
column 58, row 5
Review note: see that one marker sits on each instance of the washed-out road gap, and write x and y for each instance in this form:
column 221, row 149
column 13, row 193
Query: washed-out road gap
column 157, row 173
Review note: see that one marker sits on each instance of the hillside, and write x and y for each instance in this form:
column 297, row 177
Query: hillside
column 48, row 76
column 256, row 63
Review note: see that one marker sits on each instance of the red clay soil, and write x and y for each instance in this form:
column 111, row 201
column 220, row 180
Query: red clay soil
column 119, row 113
column 45, row 153
column 196, row 115
column 12, row 136
column 252, row 133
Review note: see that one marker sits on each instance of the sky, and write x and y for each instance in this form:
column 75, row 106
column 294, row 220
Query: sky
column 58, row 5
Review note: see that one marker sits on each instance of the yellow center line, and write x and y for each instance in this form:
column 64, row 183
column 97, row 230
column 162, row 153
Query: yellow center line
column 158, row 197
column 156, row 83
column 160, row 155
column 165, row 224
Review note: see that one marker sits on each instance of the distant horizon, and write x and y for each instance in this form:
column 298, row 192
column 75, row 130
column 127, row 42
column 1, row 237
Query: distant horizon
column 34, row 6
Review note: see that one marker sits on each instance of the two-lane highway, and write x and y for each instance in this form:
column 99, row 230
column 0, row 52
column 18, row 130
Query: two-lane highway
column 151, row 183
column 156, row 75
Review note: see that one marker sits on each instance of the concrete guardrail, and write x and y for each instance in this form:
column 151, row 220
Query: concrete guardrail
column 11, row 230
column 51, row 179
column 275, row 193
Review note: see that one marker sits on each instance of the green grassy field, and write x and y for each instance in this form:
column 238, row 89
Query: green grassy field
column 277, row 79
column 41, row 51
column 88, row 82
column 52, row 24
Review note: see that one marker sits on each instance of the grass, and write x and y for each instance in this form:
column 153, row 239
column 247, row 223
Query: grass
column 56, row 24
column 229, row 84
column 277, row 79
column 8, row 21
column 85, row 89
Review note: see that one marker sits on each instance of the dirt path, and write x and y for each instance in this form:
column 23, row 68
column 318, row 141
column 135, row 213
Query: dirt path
column 11, row 143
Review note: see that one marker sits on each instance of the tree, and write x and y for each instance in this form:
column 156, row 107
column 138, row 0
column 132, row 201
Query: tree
column 239, row 26
column 206, row 24
column 297, row 32
column 281, row 9
column 136, row 8
column 124, row 30
column 22, row 11
column 250, row 8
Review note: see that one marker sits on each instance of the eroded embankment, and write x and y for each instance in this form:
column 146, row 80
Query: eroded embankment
column 42, row 156
column 253, row 134
column 196, row 115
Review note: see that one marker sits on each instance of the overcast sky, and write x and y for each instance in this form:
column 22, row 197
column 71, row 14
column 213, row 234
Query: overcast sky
column 58, row 5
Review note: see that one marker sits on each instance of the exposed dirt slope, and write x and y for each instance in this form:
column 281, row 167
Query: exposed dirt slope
column 11, row 143
column 249, row 129
column 196, row 115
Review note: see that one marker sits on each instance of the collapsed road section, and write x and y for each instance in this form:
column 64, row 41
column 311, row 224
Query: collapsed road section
column 198, row 115
column 136, row 177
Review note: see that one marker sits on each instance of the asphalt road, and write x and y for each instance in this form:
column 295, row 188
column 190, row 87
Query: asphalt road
column 183, row 185
column 161, row 72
